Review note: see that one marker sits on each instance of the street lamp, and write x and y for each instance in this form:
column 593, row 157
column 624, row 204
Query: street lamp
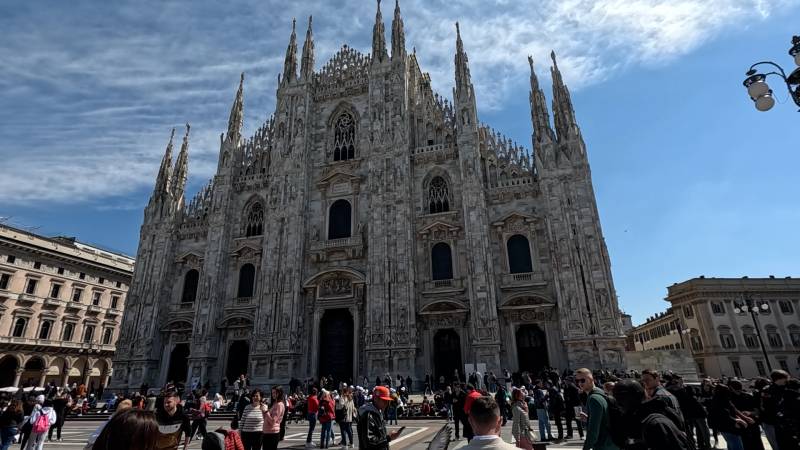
column 748, row 306
column 756, row 83
column 681, row 332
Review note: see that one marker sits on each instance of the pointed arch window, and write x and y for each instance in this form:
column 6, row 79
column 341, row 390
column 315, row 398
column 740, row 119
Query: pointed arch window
column 339, row 220
column 247, row 281
column 519, row 254
column 438, row 196
column 19, row 327
column 344, row 137
column 44, row 330
column 69, row 329
column 190, row 281
column 254, row 221
column 108, row 333
column 441, row 262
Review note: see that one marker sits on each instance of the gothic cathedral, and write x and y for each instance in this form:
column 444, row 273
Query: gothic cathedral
column 372, row 226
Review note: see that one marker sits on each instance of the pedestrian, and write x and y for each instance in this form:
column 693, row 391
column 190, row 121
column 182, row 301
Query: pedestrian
column 325, row 415
column 650, row 424
column 172, row 423
column 200, row 417
column 693, row 412
column 10, row 422
column 770, row 397
column 598, row 433
column 459, row 416
column 372, row 434
column 472, row 394
column 572, row 404
column 748, row 406
column 484, row 418
column 541, row 402
column 60, row 405
column 787, row 428
column 556, row 403
column 40, row 420
column 251, row 424
column 725, row 418
column 273, row 417
column 502, row 402
column 520, row 421
column 28, row 407
column 131, row 429
column 349, row 414
column 312, row 404
column 123, row 405
column 652, row 384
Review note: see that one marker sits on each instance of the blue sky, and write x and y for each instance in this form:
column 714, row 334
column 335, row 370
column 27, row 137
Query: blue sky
column 690, row 179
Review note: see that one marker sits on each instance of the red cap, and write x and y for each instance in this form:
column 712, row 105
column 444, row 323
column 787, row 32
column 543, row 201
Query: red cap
column 382, row 392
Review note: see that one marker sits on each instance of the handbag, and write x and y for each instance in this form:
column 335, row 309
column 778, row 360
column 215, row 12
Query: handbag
column 525, row 441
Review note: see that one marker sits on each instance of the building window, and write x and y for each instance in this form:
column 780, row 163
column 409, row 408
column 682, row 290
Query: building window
column 82, row 276
column 441, row 262
column 88, row 334
column 61, row 271
column 77, row 293
column 339, row 220
column 344, row 138
column 69, row 328
column 688, row 311
column 717, row 308
column 750, row 340
column 30, row 288
column 726, row 339
column 794, row 336
column 190, row 281
column 775, row 340
column 114, row 301
column 247, row 280
column 438, row 196
column 701, row 367
column 37, row 265
column 697, row 343
column 119, row 284
column 519, row 254
column 55, row 290
column 11, row 259
column 762, row 371
column 107, row 334
column 19, row 327
column 783, row 364
column 44, row 330
column 737, row 369
column 96, row 298
column 5, row 279
column 101, row 280
column 254, row 225
column 786, row 306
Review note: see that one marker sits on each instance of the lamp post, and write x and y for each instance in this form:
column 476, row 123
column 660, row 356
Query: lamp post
column 681, row 332
column 748, row 306
column 757, row 86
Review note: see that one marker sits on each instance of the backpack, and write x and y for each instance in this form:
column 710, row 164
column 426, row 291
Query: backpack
column 42, row 423
column 616, row 421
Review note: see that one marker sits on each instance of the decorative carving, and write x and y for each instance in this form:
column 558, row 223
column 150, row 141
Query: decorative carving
column 336, row 287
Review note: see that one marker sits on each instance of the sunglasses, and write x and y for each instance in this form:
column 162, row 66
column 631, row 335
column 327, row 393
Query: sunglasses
column 580, row 381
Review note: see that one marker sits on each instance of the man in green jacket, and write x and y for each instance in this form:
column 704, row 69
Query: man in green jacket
column 598, row 436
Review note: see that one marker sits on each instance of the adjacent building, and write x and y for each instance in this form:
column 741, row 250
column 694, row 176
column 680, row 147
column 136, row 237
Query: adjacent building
column 61, row 304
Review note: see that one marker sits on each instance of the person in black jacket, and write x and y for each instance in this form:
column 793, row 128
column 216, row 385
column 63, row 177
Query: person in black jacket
column 60, row 405
column 459, row 416
column 372, row 434
column 748, row 406
column 572, row 400
column 653, row 424
column 10, row 421
column 694, row 413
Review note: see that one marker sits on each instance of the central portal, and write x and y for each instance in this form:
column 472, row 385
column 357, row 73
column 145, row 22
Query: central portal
column 531, row 349
column 238, row 359
column 446, row 355
column 336, row 345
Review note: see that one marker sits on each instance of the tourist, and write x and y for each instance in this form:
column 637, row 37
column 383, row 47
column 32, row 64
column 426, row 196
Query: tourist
column 123, row 405
column 693, row 412
column 472, row 394
column 748, row 406
column 485, row 420
column 10, row 422
column 273, row 417
column 520, row 420
column 40, row 420
column 724, row 417
column 251, row 423
column 313, row 407
column 541, row 402
column 200, row 417
column 788, row 426
column 556, row 403
column 598, row 434
column 130, row 429
column 459, row 416
column 28, row 407
column 372, row 434
column 60, row 405
column 653, row 387
column 172, row 423
column 572, row 403
column 325, row 415
column 650, row 424
column 350, row 413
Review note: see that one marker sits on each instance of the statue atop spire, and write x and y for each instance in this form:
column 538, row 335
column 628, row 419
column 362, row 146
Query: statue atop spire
column 165, row 171
column 563, row 113
column 307, row 63
column 181, row 171
column 398, row 34
column 379, row 53
column 540, row 117
column 290, row 63
column 463, row 78
column 237, row 114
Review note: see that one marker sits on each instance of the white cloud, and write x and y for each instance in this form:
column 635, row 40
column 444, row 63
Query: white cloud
column 90, row 91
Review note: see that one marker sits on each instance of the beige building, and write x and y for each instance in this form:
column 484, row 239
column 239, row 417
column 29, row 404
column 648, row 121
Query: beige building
column 61, row 305
column 659, row 332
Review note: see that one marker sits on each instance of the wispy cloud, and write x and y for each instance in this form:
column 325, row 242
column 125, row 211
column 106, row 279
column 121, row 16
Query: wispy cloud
column 90, row 90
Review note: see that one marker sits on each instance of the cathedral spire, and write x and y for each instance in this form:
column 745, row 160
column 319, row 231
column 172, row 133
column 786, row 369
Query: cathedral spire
column 463, row 79
column 165, row 171
column 379, row 53
column 563, row 112
column 237, row 114
column 307, row 63
column 398, row 34
column 290, row 63
column 181, row 171
column 540, row 117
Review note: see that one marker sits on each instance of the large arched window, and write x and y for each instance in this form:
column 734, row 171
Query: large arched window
column 108, row 333
column 190, row 281
column 441, row 262
column 254, row 222
column 44, row 331
column 247, row 281
column 438, row 196
column 344, row 138
column 339, row 220
column 69, row 329
column 519, row 254
column 19, row 327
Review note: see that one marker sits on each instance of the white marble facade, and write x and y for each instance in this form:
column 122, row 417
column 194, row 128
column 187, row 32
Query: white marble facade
column 372, row 226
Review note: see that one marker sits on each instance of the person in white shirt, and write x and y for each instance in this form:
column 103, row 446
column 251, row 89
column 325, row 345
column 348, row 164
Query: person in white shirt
column 486, row 422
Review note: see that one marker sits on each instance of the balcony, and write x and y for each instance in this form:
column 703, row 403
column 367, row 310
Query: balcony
column 94, row 309
column 27, row 298
column 50, row 301
column 113, row 312
column 61, row 345
column 520, row 280
column 183, row 307
column 435, row 287
column 338, row 249
column 8, row 295
column 74, row 306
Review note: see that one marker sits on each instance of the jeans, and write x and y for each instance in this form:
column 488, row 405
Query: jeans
column 734, row 441
column 772, row 437
column 36, row 441
column 201, row 425
column 544, row 424
column 251, row 440
column 56, row 426
column 347, row 432
column 7, row 437
column 312, row 422
column 327, row 434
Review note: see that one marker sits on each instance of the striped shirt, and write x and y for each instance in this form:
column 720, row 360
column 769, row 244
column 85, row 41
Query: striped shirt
column 252, row 419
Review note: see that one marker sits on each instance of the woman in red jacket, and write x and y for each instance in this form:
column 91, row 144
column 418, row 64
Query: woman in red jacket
column 312, row 403
column 326, row 415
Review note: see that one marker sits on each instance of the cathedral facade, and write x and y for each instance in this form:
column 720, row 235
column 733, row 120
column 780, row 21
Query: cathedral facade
column 371, row 226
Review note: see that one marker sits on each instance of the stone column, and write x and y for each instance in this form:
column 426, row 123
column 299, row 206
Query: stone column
column 20, row 370
column 65, row 374
column 42, row 378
